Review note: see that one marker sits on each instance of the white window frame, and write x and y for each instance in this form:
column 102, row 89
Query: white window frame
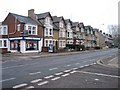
column 32, row 26
column 51, row 32
column 61, row 25
column 2, row 44
column 2, row 30
column 18, row 27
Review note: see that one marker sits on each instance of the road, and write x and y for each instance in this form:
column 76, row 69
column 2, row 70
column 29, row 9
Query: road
column 25, row 72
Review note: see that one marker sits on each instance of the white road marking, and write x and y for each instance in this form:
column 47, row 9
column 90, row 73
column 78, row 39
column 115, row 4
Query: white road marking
column 96, row 79
column 30, row 87
column 53, row 69
column 7, row 79
column 20, row 85
column 35, row 81
column 86, row 65
column 67, row 70
column 59, row 73
column 34, row 73
column 100, row 74
column 77, row 63
column 47, row 77
column 65, row 75
column 75, row 68
column 81, row 66
column 73, row 72
column 56, row 78
column 42, row 83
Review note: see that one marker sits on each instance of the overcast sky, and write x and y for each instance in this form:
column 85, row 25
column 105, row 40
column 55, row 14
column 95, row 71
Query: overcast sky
column 90, row 12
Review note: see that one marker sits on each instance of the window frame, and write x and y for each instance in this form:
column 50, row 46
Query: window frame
column 2, row 30
column 2, row 43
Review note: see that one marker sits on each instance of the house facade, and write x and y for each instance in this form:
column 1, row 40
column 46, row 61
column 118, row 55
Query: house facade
column 60, row 23
column 3, row 38
column 76, row 33
column 69, row 37
column 83, row 39
column 24, row 35
column 100, row 39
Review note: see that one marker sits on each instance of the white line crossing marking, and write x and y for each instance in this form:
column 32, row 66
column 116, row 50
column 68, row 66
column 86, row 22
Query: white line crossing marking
column 73, row 72
column 7, row 79
column 56, row 78
column 100, row 74
column 47, row 77
column 34, row 73
column 75, row 68
column 67, row 70
column 65, row 75
column 30, row 87
column 53, row 69
column 20, row 85
column 42, row 83
column 81, row 66
column 35, row 81
column 59, row 73
column 96, row 79
column 86, row 65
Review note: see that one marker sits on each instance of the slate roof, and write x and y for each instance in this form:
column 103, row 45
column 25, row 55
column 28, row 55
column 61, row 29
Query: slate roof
column 56, row 19
column 81, row 25
column 67, row 21
column 43, row 15
column 24, row 19
column 74, row 24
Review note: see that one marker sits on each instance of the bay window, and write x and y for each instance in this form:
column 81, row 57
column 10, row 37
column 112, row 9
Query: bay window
column 51, row 31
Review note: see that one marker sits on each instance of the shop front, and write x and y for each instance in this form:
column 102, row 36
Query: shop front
column 25, row 45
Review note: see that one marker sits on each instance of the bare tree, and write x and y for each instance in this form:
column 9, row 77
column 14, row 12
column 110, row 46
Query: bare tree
column 113, row 30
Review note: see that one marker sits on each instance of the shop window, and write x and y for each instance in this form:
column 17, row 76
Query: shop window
column 31, row 45
column 5, row 43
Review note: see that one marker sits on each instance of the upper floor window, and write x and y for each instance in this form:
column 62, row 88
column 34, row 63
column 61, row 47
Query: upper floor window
column 60, row 33
column 68, row 34
column 46, row 31
column 32, row 30
column 61, row 24
column 68, row 26
column 51, row 31
column 3, row 30
column 48, row 21
column 18, row 27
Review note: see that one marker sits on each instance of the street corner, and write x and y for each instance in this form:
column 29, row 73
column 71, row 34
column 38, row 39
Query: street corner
column 111, row 61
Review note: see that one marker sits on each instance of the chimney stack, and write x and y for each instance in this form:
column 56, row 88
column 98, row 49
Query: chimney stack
column 31, row 14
